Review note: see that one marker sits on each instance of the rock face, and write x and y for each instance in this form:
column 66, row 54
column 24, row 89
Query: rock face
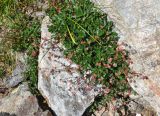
column 16, row 77
column 15, row 96
column 20, row 102
column 134, row 109
column 138, row 24
column 59, row 80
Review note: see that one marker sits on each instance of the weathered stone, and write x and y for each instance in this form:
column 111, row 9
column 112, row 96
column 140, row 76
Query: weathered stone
column 138, row 24
column 117, row 108
column 17, row 75
column 15, row 78
column 20, row 102
column 106, row 111
column 59, row 80
column 6, row 114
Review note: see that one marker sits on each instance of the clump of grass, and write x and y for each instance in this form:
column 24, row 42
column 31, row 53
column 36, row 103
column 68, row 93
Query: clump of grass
column 11, row 14
column 9, row 7
column 7, row 59
column 1, row 72
column 23, row 36
column 27, row 39
column 90, row 41
column 31, row 73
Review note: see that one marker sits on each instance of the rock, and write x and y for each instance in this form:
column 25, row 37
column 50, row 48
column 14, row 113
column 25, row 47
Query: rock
column 117, row 108
column 106, row 111
column 138, row 25
column 15, row 78
column 138, row 105
column 20, row 102
column 40, row 14
column 6, row 114
column 41, row 7
column 59, row 80
column 17, row 74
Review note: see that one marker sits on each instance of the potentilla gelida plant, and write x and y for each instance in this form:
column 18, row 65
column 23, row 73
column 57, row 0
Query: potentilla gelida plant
column 90, row 41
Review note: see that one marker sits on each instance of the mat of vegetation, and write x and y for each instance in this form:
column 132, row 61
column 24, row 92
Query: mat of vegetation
column 83, row 29
column 90, row 41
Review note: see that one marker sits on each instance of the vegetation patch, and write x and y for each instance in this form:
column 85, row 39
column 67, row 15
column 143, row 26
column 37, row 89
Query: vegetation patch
column 7, row 58
column 83, row 29
column 23, row 35
column 90, row 41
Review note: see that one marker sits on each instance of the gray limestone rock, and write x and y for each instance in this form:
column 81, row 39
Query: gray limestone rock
column 20, row 102
column 17, row 75
column 15, row 78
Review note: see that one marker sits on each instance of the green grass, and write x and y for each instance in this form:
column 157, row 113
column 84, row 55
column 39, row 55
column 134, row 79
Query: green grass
column 27, row 40
column 32, row 60
column 23, row 36
column 7, row 58
column 90, row 41
column 1, row 72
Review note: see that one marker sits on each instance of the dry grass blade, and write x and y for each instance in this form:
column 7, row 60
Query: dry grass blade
column 84, row 30
column 71, row 36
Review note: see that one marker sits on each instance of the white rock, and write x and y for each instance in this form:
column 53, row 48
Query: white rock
column 138, row 115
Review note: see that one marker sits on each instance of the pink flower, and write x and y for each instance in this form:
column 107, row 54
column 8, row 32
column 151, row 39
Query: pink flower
column 107, row 65
column 88, row 88
column 110, row 60
column 114, row 65
column 130, row 61
column 45, row 38
column 100, row 79
column 93, row 77
column 114, row 108
column 120, row 48
column 106, row 91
